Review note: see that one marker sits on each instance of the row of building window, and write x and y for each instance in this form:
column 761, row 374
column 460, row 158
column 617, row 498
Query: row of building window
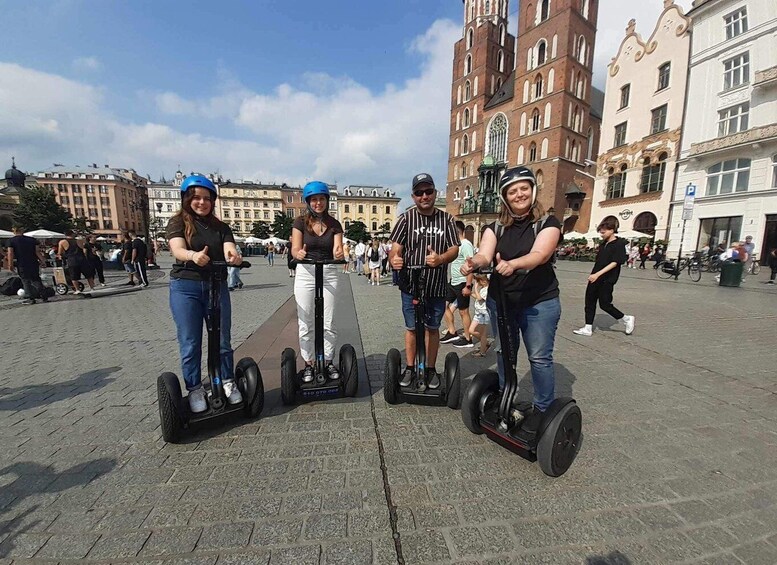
column 250, row 203
column 651, row 179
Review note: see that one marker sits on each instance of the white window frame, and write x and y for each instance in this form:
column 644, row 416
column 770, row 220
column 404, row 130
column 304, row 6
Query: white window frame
column 736, row 71
column 733, row 119
column 655, row 116
column 737, row 169
column 615, row 137
column 736, row 22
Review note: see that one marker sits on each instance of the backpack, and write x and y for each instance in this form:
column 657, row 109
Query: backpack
column 11, row 286
column 374, row 256
column 537, row 228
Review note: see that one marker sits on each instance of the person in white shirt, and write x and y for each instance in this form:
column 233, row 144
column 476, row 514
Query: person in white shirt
column 359, row 251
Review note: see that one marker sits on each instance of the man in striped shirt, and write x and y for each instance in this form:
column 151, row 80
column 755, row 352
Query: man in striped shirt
column 423, row 235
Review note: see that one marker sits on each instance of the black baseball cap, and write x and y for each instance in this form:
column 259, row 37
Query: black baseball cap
column 423, row 178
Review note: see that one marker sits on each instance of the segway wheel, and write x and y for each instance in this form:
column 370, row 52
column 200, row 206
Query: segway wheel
column 61, row 289
column 391, row 376
column 452, row 381
column 484, row 384
column 349, row 370
column 559, row 443
column 288, row 376
column 168, row 391
column 80, row 286
column 249, row 381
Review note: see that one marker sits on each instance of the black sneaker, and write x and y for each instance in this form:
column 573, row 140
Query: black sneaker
column 532, row 422
column 307, row 374
column 448, row 337
column 407, row 377
column 28, row 301
column 332, row 372
column 462, row 342
column 433, row 379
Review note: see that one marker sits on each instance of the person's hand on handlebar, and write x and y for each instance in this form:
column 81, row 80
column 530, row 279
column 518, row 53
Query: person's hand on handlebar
column 397, row 262
column 234, row 259
column 302, row 253
column 339, row 254
column 200, row 258
column 433, row 259
column 504, row 268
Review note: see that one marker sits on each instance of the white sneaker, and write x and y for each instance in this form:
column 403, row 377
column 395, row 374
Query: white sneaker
column 232, row 392
column 103, row 285
column 584, row 331
column 76, row 292
column 629, row 321
column 197, row 402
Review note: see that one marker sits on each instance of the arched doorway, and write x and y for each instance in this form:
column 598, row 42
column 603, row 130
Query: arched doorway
column 646, row 222
column 469, row 233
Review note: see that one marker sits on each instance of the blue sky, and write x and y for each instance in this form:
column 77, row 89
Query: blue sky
column 270, row 90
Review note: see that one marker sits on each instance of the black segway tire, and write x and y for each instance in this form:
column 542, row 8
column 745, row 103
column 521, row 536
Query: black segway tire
column 168, row 388
column 485, row 382
column 349, row 370
column 249, row 381
column 80, row 286
column 560, row 441
column 391, row 376
column 452, row 381
column 288, row 376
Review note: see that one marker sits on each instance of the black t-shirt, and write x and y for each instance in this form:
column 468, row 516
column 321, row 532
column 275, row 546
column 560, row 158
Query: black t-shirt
column 319, row 247
column 24, row 248
column 213, row 234
column 141, row 251
column 612, row 252
column 126, row 252
column 541, row 283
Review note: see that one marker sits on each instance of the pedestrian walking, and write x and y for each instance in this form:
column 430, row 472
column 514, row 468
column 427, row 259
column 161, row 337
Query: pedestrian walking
column 95, row 254
column 749, row 248
column 359, row 252
column 233, row 273
column 270, row 254
column 644, row 253
column 375, row 258
column 26, row 258
column 126, row 257
column 291, row 263
column 423, row 235
column 139, row 258
column 604, row 275
column 772, row 265
column 73, row 256
column 346, row 255
column 458, row 294
column 480, row 321
column 633, row 256
column 385, row 247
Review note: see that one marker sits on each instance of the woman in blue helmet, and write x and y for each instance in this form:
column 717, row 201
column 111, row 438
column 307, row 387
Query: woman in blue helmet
column 198, row 237
column 319, row 236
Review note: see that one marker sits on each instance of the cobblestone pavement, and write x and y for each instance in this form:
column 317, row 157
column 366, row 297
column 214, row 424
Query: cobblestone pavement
column 678, row 462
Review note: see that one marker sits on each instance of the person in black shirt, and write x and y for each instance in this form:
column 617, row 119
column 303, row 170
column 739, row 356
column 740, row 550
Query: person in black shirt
column 139, row 257
column 524, row 238
column 126, row 258
column 317, row 236
column 94, row 253
column 198, row 237
column 29, row 259
column 601, row 282
column 73, row 256
column 424, row 235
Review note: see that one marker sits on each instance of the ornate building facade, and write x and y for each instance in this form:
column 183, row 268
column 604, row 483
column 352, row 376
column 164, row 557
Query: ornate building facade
column 641, row 125
column 240, row 204
column 374, row 206
column 536, row 110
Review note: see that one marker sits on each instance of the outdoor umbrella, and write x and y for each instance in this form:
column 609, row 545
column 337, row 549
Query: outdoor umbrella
column 102, row 238
column 573, row 235
column 4, row 233
column 44, row 234
column 239, row 239
column 633, row 234
column 251, row 240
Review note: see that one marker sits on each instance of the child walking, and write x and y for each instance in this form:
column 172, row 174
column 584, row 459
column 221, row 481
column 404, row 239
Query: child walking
column 479, row 326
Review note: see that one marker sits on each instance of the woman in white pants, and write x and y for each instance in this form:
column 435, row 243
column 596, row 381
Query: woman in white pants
column 317, row 236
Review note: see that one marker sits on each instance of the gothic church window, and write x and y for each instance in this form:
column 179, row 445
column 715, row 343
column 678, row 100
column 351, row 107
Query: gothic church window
column 544, row 10
column 468, row 65
column 497, row 138
column 470, row 38
column 467, row 91
column 542, row 52
column 532, row 152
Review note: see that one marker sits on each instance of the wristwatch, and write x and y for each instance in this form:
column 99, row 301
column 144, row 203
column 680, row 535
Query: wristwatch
column 469, row 286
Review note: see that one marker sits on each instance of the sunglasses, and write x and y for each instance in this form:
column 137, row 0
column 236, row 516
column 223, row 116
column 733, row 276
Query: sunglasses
column 426, row 192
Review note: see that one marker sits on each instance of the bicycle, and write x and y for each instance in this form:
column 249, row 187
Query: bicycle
column 673, row 268
column 755, row 266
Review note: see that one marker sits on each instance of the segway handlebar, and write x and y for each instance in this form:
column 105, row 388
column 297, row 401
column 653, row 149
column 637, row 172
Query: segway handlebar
column 322, row 262
column 490, row 270
column 222, row 264
column 418, row 267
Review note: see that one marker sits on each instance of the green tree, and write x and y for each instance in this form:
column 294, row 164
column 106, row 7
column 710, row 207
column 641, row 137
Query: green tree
column 39, row 209
column 357, row 231
column 82, row 225
column 386, row 227
column 261, row 230
column 281, row 226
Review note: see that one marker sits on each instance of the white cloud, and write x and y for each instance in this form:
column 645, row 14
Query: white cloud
column 88, row 64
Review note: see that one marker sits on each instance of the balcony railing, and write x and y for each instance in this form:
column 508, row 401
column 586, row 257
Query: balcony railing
column 750, row 136
column 766, row 77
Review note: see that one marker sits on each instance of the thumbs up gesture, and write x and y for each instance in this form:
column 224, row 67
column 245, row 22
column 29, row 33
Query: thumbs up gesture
column 234, row 258
column 468, row 266
column 302, row 253
column 504, row 268
column 433, row 259
column 201, row 258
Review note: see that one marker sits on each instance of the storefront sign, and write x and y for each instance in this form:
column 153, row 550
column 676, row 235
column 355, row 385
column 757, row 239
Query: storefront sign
column 625, row 214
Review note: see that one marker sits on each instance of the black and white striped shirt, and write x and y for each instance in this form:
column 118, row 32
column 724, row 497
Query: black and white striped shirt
column 415, row 232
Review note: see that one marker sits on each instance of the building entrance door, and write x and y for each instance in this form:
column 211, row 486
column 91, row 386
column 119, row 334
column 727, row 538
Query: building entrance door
column 769, row 239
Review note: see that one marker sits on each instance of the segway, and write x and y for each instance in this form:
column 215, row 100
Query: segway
column 449, row 391
column 321, row 387
column 174, row 411
column 488, row 410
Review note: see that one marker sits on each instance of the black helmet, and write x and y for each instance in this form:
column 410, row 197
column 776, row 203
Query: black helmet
column 511, row 176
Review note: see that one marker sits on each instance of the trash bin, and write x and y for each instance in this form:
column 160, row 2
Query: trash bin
column 731, row 273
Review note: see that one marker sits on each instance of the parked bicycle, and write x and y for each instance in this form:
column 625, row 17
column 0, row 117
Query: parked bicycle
column 755, row 267
column 674, row 268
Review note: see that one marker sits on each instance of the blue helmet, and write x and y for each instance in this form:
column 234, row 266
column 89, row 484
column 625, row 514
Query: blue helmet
column 313, row 188
column 198, row 180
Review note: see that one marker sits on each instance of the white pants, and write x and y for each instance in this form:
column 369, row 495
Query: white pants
column 304, row 294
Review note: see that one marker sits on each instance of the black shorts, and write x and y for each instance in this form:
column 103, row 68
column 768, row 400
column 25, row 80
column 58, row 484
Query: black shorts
column 80, row 269
column 454, row 295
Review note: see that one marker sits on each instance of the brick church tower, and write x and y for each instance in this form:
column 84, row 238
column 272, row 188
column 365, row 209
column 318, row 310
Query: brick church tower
column 541, row 116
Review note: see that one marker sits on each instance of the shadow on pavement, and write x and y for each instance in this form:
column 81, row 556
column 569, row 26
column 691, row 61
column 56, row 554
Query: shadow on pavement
column 34, row 479
column 32, row 396
column 612, row 558
column 260, row 286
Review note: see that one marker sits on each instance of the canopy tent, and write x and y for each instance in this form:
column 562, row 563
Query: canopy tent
column 274, row 240
column 4, row 233
column 44, row 234
column 239, row 239
column 251, row 240
column 348, row 240
column 573, row 235
column 634, row 234
column 102, row 238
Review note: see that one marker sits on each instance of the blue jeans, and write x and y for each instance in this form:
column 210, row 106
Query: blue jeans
column 435, row 309
column 537, row 324
column 189, row 305
column 233, row 278
column 271, row 258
